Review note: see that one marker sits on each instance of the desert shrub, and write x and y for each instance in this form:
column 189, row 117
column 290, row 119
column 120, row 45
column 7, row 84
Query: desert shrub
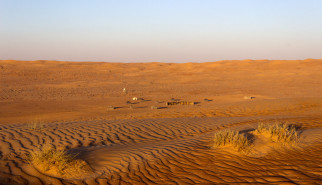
column 57, row 162
column 278, row 132
column 228, row 137
column 36, row 124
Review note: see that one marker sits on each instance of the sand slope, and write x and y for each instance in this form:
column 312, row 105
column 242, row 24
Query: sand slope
column 78, row 90
column 159, row 151
column 172, row 145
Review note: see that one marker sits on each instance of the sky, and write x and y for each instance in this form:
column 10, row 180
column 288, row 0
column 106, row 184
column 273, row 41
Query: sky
column 160, row 30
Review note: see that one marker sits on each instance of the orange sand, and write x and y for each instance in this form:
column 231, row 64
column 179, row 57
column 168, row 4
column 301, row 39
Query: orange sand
column 134, row 144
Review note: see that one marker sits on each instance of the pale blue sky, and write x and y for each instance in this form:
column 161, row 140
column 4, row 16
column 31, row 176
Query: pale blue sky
column 160, row 30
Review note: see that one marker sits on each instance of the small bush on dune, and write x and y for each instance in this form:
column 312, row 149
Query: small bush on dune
column 279, row 133
column 36, row 124
column 57, row 162
column 228, row 137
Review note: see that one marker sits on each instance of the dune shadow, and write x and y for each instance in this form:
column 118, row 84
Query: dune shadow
column 155, row 107
column 162, row 107
column 144, row 100
column 113, row 108
column 128, row 102
column 297, row 127
column 207, row 100
column 247, row 133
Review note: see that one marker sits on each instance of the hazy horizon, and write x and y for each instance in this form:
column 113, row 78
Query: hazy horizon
column 160, row 31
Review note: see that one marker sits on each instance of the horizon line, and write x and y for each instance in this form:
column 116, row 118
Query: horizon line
column 225, row 60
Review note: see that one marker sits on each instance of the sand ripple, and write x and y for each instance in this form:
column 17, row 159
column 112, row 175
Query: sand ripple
column 158, row 151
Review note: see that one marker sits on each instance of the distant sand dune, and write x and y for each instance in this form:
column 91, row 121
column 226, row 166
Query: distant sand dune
column 73, row 90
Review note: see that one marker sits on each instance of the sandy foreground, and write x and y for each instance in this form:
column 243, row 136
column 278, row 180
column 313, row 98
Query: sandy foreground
column 81, row 107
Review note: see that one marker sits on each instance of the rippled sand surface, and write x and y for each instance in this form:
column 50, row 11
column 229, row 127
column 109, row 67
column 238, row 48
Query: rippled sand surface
column 160, row 151
column 170, row 145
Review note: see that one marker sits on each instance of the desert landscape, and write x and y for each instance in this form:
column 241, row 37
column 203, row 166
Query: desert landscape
column 161, row 123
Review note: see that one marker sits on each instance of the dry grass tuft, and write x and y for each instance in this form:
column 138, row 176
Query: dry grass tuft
column 228, row 137
column 279, row 132
column 58, row 162
column 36, row 124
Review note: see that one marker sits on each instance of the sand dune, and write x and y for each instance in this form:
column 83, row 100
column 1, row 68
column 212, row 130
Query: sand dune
column 159, row 151
column 73, row 90
column 134, row 144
